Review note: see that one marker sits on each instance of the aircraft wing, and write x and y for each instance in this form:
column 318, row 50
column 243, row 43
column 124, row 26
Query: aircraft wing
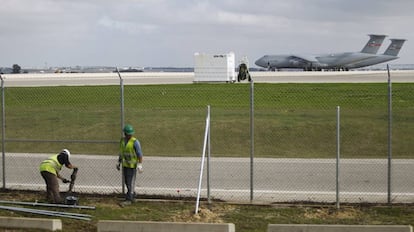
column 304, row 58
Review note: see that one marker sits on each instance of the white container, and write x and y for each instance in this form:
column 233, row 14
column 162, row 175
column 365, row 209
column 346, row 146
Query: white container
column 214, row 67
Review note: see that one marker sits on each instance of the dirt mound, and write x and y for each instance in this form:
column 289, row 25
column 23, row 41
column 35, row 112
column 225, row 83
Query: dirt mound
column 330, row 213
column 206, row 215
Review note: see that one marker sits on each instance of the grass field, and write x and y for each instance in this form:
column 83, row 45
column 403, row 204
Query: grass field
column 290, row 120
column 247, row 218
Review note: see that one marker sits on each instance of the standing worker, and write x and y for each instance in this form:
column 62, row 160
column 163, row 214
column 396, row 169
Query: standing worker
column 49, row 169
column 130, row 156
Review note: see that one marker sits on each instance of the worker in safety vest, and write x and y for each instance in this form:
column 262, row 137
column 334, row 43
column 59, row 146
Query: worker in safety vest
column 49, row 169
column 130, row 157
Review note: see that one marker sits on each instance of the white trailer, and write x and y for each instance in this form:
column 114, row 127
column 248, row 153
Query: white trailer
column 214, row 67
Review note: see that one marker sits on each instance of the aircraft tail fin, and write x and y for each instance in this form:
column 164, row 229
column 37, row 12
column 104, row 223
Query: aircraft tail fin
column 395, row 47
column 374, row 43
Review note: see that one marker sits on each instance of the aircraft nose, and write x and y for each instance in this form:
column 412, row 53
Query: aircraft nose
column 259, row 62
column 262, row 62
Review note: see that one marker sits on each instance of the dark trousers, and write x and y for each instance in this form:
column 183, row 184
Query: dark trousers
column 52, row 187
column 129, row 176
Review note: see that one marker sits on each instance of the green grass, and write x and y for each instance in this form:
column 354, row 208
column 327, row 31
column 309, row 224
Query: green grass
column 291, row 120
column 247, row 218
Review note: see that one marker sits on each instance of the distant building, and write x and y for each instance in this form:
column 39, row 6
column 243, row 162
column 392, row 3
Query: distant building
column 214, row 67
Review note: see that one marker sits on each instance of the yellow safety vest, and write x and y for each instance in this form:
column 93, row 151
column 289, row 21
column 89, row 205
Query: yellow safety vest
column 128, row 154
column 51, row 165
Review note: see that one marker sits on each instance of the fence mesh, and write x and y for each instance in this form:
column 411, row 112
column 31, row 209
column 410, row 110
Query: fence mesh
column 294, row 138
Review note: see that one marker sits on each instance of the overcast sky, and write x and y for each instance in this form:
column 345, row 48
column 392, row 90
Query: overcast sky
column 141, row 33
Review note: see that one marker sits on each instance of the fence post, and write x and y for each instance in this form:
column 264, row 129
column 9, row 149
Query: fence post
column 208, row 155
column 3, row 132
column 338, row 152
column 121, row 85
column 389, row 133
column 251, row 138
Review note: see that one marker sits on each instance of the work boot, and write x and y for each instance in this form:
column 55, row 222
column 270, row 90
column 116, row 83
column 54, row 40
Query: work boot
column 125, row 203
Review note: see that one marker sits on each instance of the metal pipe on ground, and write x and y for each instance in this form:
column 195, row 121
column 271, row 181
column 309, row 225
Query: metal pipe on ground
column 48, row 213
column 47, row 205
column 59, row 212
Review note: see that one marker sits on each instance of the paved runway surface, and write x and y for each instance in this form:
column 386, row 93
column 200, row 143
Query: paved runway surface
column 275, row 180
column 144, row 78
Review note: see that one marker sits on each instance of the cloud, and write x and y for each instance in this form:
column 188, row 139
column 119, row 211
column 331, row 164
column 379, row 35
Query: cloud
column 126, row 26
column 168, row 32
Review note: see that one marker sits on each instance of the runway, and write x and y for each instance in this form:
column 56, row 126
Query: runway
column 361, row 180
column 155, row 78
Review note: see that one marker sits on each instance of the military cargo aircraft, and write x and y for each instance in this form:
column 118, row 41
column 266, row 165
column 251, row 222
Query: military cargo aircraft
column 333, row 61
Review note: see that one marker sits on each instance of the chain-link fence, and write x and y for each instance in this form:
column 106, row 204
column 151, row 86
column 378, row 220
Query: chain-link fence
column 293, row 128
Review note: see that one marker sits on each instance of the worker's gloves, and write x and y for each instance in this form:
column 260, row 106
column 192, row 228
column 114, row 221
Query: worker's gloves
column 65, row 181
column 140, row 170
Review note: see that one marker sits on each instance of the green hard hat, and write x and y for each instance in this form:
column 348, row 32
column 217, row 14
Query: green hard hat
column 128, row 129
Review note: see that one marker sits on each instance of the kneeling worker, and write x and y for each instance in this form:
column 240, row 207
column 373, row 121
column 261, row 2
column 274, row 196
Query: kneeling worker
column 49, row 169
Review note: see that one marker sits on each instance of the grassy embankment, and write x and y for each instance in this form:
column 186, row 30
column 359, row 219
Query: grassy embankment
column 247, row 218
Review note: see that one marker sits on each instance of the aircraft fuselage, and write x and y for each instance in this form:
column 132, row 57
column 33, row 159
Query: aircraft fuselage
column 335, row 61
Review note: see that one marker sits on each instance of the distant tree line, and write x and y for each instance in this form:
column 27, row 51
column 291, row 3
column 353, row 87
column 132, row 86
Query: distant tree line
column 15, row 69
